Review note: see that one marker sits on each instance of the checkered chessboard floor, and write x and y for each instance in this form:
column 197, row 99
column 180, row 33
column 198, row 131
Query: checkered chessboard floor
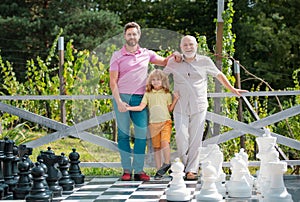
column 112, row 189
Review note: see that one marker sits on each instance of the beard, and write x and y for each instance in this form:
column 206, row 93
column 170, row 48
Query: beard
column 131, row 42
column 189, row 54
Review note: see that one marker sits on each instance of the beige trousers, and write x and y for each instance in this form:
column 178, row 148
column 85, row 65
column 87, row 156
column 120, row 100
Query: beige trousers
column 189, row 133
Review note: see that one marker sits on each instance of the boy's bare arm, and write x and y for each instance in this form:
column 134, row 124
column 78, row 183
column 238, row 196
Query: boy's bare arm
column 175, row 99
column 137, row 108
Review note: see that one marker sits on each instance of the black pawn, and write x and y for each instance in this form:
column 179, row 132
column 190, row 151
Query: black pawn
column 74, row 169
column 24, row 182
column 40, row 160
column 38, row 192
column 65, row 181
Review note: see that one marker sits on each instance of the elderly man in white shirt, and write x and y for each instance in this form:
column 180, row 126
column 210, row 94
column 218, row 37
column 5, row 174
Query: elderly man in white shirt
column 190, row 81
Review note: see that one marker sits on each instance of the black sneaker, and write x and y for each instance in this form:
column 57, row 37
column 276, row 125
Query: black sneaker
column 158, row 176
column 164, row 168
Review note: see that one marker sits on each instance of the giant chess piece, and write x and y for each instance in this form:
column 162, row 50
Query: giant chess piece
column 38, row 192
column 213, row 154
column 45, row 183
column 65, row 181
column 240, row 184
column 24, row 151
column 15, row 162
column 209, row 191
column 266, row 153
column 51, row 160
column 3, row 186
column 24, row 182
column 74, row 169
column 277, row 191
column 8, row 164
column 178, row 190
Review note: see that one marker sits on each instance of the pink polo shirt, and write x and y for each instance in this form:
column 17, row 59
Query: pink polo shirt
column 132, row 68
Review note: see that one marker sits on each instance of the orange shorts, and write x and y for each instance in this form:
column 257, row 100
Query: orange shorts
column 160, row 132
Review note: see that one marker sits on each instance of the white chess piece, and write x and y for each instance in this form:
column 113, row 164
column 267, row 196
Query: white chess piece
column 177, row 190
column 241, row 182
column 209, row 191
column 213, row 154
column 266, row 153
column 244, row 156
column 277, row 191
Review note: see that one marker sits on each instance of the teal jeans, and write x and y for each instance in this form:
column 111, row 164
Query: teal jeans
column 132, row 159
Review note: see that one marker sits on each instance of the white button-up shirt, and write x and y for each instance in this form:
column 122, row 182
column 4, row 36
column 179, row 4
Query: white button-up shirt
column 190, row 80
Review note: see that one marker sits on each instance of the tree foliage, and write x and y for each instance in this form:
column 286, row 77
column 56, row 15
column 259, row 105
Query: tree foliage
column 268, row 40
column 28, row 28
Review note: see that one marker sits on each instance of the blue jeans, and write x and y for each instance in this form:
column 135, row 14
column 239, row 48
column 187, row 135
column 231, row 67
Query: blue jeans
column 140, row 123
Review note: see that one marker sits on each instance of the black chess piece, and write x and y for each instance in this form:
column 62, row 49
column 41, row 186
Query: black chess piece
column 38, row 192
column 51, row 160
column 23, row 186
column 3, row 186
column 7, row 164
column 74, row 169
column 40, row 160
column 15, row 161
column 23, row 150
column 65, row 181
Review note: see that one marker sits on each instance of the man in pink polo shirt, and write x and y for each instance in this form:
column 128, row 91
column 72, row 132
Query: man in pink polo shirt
column 128, row 74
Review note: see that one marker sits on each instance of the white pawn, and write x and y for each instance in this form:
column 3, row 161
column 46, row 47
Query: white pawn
column 213, row 154
column 178, row 190
column 277, row 191
column 209, row 191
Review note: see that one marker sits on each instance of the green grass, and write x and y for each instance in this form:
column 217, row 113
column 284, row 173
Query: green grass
column 88, row 152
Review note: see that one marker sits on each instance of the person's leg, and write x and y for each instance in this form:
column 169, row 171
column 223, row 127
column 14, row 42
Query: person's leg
column 123, row 123
column 165, row 148
column 157, row 157
column 140, row 122
column 165, row 141
column 196, row 129
column 155, row 132
column 181, row 122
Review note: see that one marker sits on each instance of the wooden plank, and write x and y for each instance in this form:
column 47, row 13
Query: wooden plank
column 49, row 123
column 76, row 131
column 233, row 124
column 256, row 94
column 93, row 97
column 63, row 130
column 241, row 128
column 259, row 124
column 55, row 97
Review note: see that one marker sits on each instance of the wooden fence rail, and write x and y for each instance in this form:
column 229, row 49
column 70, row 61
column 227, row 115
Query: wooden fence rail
column 78, row 130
